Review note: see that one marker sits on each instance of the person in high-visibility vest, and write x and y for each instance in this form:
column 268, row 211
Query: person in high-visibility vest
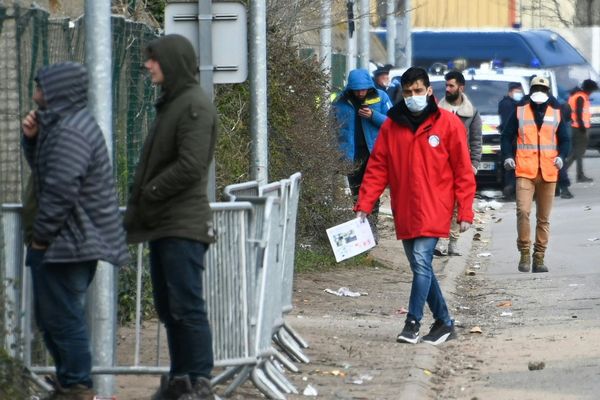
column 581, row 119
column 535, row 141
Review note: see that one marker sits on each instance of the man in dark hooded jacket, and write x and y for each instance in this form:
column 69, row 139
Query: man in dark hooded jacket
column 75, row 222
column 168, row 206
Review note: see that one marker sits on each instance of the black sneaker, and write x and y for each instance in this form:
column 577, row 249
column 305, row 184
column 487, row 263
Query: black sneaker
column 584, row 179
column 410, row 333
column 439, row 333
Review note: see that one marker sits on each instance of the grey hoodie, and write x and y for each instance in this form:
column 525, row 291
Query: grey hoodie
column 471, row 119
column 77, row 215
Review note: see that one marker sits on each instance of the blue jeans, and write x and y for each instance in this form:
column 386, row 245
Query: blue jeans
column 176, row 267
column 59, row 303
column 425, row 287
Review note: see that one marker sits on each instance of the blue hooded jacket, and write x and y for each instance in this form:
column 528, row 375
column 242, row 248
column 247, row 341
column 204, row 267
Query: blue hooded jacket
column 345, row 112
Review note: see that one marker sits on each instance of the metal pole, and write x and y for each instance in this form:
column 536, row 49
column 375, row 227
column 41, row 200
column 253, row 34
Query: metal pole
column 403, row 40
column 363, row 34
column 351, row 39
column 390, row 23
column 102, row 296
column 408, row 30
column 258, row 91
column 325, row 33
column 206, row 72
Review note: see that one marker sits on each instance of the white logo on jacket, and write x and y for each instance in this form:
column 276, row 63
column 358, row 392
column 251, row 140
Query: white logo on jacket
column 434, row 140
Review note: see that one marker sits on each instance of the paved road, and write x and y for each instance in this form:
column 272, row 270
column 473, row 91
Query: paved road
column 555, row 317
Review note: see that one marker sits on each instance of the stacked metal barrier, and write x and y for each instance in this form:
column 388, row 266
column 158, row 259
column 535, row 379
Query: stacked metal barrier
column 288, row 193
column 248, row 276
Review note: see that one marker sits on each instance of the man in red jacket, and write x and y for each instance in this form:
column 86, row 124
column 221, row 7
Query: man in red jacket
column 422, row 154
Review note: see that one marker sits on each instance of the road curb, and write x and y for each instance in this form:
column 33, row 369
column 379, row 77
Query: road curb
column 419, row 384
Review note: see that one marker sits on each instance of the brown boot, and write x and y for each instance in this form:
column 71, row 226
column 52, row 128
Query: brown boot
column 524, row 261
column 538, row 262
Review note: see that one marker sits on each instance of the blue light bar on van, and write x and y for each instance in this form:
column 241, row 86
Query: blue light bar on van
column 497, row 63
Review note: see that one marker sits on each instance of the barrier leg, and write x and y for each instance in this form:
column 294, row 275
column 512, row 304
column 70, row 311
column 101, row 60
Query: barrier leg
column 285, row 361
column 263, row 384
column 242, row 376
column 295, row 335
column 226, row 375
column 278, row 378
column 289, row 346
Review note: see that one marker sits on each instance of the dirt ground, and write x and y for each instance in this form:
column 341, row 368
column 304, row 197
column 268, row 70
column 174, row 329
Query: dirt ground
column 353, row 353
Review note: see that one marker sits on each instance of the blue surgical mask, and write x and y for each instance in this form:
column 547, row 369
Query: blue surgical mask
column 517, row 96
column 416, row 103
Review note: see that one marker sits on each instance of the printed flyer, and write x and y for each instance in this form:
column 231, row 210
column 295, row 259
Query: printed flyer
column 350, row 239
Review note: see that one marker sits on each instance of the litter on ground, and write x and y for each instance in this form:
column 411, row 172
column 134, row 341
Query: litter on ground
column 345, row 292
column 310, row 391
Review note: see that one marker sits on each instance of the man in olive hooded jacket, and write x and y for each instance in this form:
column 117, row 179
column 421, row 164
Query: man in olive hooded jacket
column 168, row 206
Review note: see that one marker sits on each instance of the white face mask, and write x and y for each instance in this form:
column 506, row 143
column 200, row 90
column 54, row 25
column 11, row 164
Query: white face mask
column 416, row 103
column 539, row 97
column 517, row 96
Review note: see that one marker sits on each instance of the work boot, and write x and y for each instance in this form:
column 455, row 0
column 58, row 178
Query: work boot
column 524, row 261
column 565, row 193
column 202, row 390
column 172, row 388
column 453, row 248
column 75, row 392
column 538, row 262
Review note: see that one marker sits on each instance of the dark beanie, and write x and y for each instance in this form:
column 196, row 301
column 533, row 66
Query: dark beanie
column 385, row 69
column 589, row 85
column 514, row 85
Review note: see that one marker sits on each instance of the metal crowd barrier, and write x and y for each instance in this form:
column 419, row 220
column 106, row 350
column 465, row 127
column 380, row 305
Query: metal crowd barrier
column 288, row 192
column 241, row 284
column 244, row 189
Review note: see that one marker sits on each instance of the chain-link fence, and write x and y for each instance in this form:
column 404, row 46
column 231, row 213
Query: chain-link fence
column 29, row 39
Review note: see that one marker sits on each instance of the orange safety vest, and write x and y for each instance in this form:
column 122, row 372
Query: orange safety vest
column 537, row 149
column 586, row 115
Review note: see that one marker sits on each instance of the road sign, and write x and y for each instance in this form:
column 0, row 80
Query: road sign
column 229, row 35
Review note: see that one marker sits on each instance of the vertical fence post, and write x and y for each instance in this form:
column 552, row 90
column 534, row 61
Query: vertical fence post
column 364, row 34
column 390, row 23
column 258, row 91
column 102, row 295
column 206, row 73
